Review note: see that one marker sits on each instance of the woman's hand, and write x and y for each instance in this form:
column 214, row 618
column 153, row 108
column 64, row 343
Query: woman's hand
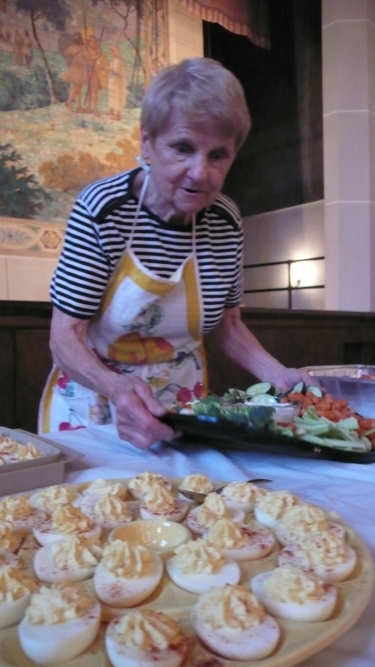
column 137, row 413
column 287, row 378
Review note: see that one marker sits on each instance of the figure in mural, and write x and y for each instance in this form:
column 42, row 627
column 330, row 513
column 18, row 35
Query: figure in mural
column 116, row 84
column 27, row 49
column 18, row 47
column 75, row 56
column 97, row 67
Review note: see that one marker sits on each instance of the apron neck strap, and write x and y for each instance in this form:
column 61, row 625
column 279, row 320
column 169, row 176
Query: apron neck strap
column 146, row 167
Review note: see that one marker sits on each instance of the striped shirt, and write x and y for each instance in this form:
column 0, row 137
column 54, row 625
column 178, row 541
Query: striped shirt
column 100, row 226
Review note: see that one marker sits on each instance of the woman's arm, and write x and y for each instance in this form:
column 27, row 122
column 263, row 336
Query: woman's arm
column 136, row 408
column 243, row 347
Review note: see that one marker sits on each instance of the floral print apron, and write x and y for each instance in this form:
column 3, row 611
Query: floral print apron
column 146, row 325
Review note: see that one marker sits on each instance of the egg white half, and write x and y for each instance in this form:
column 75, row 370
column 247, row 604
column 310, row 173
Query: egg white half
column 25, row 525
column 286, row 537
column 47, row 571
column 13, row 610
column 44, row 533
column 196, row 582
column 59, row 642
column 197, row 528
column 86, row 505
column 178, row 514
column 319, row 610
column 123, row 592
column 261, row 544
column 329, row 573
column 251, row 644
column 9, row 558
column 121, row 655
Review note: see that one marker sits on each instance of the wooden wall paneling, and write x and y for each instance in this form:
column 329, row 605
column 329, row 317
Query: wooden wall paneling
column 33, row 364
column 7, row 384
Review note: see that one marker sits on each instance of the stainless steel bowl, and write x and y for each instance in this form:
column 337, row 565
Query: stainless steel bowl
column 346, row 382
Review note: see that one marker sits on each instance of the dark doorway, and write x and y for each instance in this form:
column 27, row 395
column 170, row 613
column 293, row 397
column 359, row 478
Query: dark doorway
column 281, row 163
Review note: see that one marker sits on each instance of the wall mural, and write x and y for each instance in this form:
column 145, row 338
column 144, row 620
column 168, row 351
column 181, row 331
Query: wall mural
column 72, row 76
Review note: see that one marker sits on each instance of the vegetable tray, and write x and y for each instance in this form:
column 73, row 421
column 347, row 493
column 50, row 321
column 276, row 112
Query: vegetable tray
column 222, row 433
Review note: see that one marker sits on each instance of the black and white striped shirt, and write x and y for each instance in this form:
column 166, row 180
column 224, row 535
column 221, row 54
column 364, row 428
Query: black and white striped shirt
column 99, row 228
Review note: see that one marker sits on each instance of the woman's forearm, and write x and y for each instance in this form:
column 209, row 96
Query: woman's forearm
column 71, row 352
column 244, row 348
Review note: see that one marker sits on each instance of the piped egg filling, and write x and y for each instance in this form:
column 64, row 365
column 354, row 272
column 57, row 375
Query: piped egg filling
column 59, row 624
column 127, row 574
column 232, row 623
column 326, row 554
column 198, row 565
column 143, row 638
column 293, row 594
column 15, row 590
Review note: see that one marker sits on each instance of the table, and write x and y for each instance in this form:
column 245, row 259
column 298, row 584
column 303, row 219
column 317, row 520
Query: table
column 348, row 489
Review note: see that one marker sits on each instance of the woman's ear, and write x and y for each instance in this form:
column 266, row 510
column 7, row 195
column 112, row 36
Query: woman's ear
column 145, row 144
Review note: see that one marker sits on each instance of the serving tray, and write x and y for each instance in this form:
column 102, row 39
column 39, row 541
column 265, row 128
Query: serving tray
column 298, row 642
column 224, row 434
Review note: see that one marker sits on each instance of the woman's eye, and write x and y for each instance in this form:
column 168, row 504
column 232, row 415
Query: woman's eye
column 183, row 148
column 219, row 155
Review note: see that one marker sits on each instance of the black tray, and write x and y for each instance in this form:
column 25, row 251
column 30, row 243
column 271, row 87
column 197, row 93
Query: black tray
column 222, row 433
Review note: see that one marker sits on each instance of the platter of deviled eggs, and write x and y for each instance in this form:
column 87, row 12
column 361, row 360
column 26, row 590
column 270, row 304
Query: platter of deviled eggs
column 130, row 573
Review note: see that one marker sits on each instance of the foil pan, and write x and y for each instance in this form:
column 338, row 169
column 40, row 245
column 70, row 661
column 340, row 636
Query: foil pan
column 347, row 382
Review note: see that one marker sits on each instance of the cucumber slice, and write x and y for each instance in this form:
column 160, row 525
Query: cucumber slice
column 278, row 391
column 317, row 391
column 261, row 388
column 263, row 399
column 299, row 388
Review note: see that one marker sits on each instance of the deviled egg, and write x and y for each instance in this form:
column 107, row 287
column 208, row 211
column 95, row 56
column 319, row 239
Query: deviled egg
column 241, row 495
column 197, row 565
column 107, row 511
column 159, row 502
column 9, row 539
column 60, row 623
column 272, row 505
column 49, row 498
column 213, row 508
column 302, row 520
column 66, row 520
column 326, row 554
column 24, row 517
column 105, row 487
column 232, row 623
column 142, row 483
column 239, row 541
column 127, row 574
column 72, row 558
column 144, row 638
column 196, row 482
column 295, row 595
column 15, row 591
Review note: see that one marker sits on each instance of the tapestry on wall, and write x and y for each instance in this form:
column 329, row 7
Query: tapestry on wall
column 72, row 76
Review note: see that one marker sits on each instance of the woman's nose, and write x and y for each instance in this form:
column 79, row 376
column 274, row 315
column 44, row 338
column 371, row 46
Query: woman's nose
column 199, row 167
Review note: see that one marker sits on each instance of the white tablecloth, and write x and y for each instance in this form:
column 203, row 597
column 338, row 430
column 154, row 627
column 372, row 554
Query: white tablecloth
column 348, row 489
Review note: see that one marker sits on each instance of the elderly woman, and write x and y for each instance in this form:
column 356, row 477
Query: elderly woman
column 152, row 261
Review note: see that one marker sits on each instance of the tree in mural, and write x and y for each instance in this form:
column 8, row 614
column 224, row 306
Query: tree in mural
column 20, row 194
column 127, row 10
column 56, row 13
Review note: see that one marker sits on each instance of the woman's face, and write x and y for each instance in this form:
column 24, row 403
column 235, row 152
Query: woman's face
column 189, row 163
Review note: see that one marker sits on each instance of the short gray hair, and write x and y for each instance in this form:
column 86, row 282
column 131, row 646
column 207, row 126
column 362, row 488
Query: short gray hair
column 201, row 88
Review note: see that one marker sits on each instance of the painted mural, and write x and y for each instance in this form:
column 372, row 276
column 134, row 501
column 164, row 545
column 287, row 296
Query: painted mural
column 72, row 76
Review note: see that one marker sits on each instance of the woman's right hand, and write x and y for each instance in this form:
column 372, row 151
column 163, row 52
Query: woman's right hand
column 137, row 412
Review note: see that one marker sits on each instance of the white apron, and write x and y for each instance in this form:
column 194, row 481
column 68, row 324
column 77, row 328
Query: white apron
column 145, row 325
